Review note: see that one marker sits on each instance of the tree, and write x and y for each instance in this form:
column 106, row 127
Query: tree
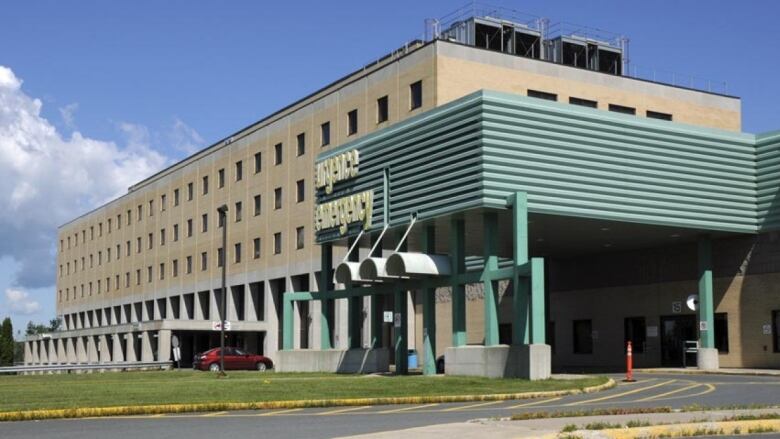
column 7, row 343
column 39, row 328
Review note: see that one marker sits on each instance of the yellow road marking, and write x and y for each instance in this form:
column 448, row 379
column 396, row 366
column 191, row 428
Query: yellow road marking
column 709, row 389
column 529, row 404
column 406, row 409
column 464, row 407
column 278, row 412
column 671, row 392
column 336, row 412
column 617, row 395
column 213, row 414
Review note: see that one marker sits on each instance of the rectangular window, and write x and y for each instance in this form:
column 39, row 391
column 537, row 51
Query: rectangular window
column 258, row 162
column 138, row 245
column 149, row 274
column 381, row 109
column 100, row 258
column 657, row 115
column 238, row 211
column 175, row 268
column 151, row 207
column 622, row 109
column 277, row 243
column 150, row 241
column 205, row 184
column 278, row 198
column 204, row 221
column 109, row 225
column 127, row 248
column 301, row 140
column 634, row 331
column 118, row 251
column 190, row 191
column 189, row 228
column 722, row 332
column 175, row 232
column 118, row 221
column 583, row 102
column 204, row 261
column 278, row 154
column 92, row 232
column 258, row 205
column 542, row 95
column 300, row 190
column 175, row 197
column 239, row 169
column 162, row 270
column 100, row 229
column 237, row 252
column 256, row 248
column 221, row 178
column 127, row 279
column 162, row 236
column 325, row 134
column 299, row 238
column 352, row 122
column 189, row 264
column 163, row 202
column 221, row 220
column 583, row 337
column 415, row 95
column 138, row 276
column 220, row 256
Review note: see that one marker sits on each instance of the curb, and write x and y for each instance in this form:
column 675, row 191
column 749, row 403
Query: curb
column 687, row 429
column 90, row 412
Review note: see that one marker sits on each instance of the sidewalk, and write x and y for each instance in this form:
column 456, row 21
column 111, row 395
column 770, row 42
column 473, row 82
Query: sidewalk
column 550, row 427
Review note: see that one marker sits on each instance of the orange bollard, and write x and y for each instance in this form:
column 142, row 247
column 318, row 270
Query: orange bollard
column 629, row 364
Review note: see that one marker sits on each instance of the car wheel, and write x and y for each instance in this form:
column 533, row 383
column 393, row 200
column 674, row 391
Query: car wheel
column 214, row 367
column 261, row 367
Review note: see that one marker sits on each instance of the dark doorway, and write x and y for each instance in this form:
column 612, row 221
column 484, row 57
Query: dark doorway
column 675, row 331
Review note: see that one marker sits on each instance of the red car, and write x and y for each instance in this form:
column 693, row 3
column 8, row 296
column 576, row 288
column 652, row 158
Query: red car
column 234, row 359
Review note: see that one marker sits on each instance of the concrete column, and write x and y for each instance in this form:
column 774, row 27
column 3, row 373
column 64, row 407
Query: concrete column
column 197, row 313
column 288, row 322
column 232, row 310
column 62, row 354
column 249, row 305
column 707, row 355
column 43, row 355
column 538, row 326
column 164, row 345
column 70, row 349
column 35, row 356
column 92, row 350
column 117, row 356
column 104, row 355
column 520, row 281
column 315, row 312
column 215, row 307
column 81, row 350
column 272, row 336
column 146, row 347
column 490, row 233
column 28, row 358
column 130, row 346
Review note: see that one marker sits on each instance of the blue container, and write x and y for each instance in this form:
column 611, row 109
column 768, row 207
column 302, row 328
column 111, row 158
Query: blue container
column 412, row 359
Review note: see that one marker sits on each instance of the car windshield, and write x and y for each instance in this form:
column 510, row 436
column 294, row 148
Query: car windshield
column 240, row 352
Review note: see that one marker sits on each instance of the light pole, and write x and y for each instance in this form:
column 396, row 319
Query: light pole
column 222, row 210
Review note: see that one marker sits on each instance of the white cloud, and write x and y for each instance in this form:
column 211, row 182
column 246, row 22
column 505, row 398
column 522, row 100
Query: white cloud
column 19, row 301
column 184, row 138
column 68, row 114
column 48, row 179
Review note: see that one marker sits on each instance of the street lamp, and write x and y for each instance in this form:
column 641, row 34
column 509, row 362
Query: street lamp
column 222, row 210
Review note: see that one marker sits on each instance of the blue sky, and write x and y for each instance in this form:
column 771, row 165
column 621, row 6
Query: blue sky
column 156, row 80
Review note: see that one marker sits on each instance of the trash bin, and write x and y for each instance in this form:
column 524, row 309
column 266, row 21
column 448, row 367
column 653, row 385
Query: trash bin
column 412, row 358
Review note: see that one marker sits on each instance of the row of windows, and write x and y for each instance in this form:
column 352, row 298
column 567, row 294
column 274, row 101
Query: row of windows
column 300, row 196
column 594, row 104
column 300, row 243
column 382, row 114
column 101, row 287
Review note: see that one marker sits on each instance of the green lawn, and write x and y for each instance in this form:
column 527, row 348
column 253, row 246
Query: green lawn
column 170, row 387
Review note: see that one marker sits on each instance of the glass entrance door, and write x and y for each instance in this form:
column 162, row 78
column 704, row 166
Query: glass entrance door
column 675, row 330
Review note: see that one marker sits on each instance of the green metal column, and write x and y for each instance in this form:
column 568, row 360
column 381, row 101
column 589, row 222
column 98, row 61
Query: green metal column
column 400, row 334
column 457, row 253
column 706, row 306
column 520, row 302
column 326, row 277
column 490, row 222
column 354, row 306
column 375, row 306
column 538, row 335
column 429, row 309
column 287, row 326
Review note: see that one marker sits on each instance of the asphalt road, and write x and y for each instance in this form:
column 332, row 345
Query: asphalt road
column 650, row 390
